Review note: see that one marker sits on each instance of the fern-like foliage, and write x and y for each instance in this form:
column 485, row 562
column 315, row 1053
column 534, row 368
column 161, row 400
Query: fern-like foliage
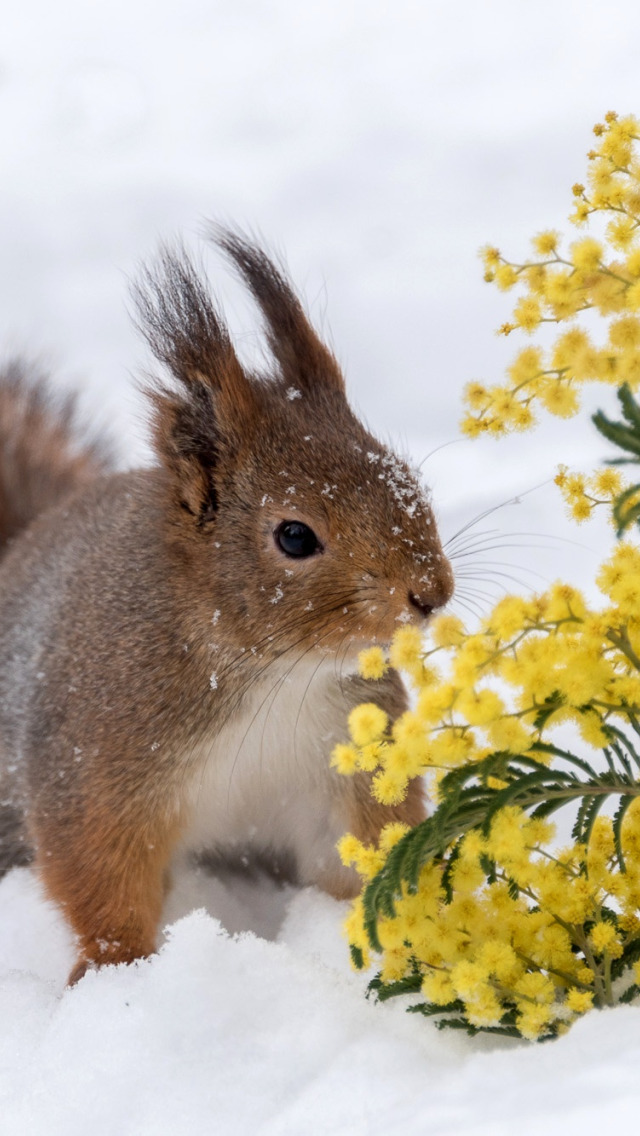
column 469, row 801
column 625, row 434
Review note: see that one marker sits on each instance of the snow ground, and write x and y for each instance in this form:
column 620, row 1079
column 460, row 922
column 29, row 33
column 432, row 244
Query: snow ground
column 378, row 146
column 249, row 1034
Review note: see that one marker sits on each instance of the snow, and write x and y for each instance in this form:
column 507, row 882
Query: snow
column 378, row 146
column 254, row 1034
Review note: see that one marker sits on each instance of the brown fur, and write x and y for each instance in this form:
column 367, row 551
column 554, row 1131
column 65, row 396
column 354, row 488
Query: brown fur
column 121, row 606
column 40, row 461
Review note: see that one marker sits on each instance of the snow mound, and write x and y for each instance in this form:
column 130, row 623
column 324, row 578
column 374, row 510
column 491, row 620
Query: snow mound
column 242, row 1034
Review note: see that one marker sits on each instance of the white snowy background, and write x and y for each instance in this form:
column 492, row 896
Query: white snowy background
column 377, row 146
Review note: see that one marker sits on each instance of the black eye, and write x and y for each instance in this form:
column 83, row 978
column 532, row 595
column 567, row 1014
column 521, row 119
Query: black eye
column 296, row 539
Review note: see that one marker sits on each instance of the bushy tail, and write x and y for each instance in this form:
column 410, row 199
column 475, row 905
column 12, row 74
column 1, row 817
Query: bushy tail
column 41, row 456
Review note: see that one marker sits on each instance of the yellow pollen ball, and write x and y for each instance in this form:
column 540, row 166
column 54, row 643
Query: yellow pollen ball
column 344, row 758
column 527, row 314
column 406, row 649
column 505, row 277
column 447, row 631
column 546, row 242
column 367, row 723
column 603, row 938
column 579, row 1001
column 372, row 663
column 586, row 254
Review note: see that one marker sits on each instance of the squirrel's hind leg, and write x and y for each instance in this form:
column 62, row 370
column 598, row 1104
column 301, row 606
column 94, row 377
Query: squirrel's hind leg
column 110, row 881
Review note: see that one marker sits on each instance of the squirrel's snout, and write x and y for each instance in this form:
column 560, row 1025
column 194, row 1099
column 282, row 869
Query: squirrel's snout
column 424, row 608
column 437, row 592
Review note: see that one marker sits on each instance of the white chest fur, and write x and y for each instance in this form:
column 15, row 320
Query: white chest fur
column 265, row 781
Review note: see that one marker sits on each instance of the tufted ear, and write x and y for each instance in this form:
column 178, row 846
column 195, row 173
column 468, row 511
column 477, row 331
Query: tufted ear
column 304, row 360
column 203, row 416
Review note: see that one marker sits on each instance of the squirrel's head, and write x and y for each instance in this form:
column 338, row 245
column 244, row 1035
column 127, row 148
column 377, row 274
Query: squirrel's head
column 311, row 532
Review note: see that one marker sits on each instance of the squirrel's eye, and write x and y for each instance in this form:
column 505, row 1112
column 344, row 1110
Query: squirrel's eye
column 296, row 539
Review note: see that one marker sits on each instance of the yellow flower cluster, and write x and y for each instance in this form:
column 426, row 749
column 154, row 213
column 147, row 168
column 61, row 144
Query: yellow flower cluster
column 502, row 928
column 533, row 664
column 603, row 275
column 583, row 493
column 535, row 943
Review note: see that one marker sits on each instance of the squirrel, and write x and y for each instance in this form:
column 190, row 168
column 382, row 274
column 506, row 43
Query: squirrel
column 178, row 644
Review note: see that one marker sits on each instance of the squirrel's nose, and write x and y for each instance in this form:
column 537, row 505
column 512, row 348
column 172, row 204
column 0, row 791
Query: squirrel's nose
column 424, row 608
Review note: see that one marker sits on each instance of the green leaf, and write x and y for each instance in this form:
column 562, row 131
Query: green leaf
column 357, row 957
column 430, row 1010
column 630, row 994
column 626, row 437
column 617, row 830
column 625, row 517
column 548, row 707
column 626, row 509
column 473, row 1031
column 630, row 954
column 410, row 984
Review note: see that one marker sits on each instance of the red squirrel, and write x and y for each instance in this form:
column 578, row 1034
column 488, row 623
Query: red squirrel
column 178, row 644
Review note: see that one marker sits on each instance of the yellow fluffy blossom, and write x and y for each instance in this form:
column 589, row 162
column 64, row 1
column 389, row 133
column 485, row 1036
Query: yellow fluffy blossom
column 546, row 242
column 604, row 938
column 586, row 254
column 344, row 758
column 447, row 631
column 505, row 277
column 367, row 723
column 407, row 649
column 372, row 663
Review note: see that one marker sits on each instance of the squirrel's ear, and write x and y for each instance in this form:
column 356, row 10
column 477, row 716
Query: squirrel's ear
column 205, row 414
column 304, row 360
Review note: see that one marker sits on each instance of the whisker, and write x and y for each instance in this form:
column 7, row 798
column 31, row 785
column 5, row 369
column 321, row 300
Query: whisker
column 302, row 702
column 337, row 670
column 460, row 535
column 233, row 700
column 475, row 611
column 491, row 543
column 443, row 446
column 339, row 662
column 471, row 588
column 497, row 565
column 473, row 575
column 278, row 682
column 294, row 623
column 276, row 690
column 478, row 593
column 499, row 546
column 494, row 509
column 472, row 538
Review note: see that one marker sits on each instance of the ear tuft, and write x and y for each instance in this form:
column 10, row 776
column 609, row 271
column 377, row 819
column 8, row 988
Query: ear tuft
column 304, row 360
column 177, row 317
column 198, row 418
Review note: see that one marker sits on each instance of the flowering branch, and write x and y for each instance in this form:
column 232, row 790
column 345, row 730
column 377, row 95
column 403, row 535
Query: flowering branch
column 479, row 918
